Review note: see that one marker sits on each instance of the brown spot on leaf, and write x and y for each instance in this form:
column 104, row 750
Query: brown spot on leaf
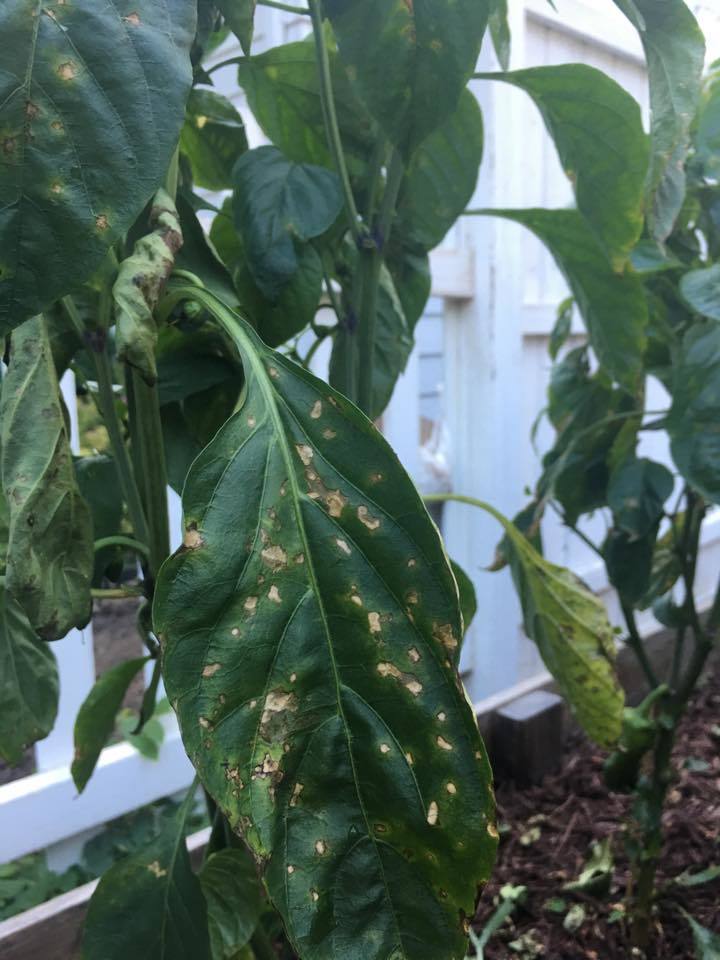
column 433, row 813
column 443, row 744
column 444, row 635
column 133, row 19
column 316, row 411
column 274, row 556
column 274, row 594
column 192, row 539
column 343, row 546
column 372, row 523
column 156, row 869
column 102, row 222
column 251, row 604
column 305, row 453
column 67, row 70
column 211, row 669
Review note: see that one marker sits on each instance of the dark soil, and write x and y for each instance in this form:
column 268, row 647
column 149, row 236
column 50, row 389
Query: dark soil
column 547, row 832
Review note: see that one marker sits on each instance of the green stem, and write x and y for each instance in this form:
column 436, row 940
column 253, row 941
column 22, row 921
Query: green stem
column 371, row 262
column 233, row 61
column 287, row 7
column 121, row 593
column 636, row 644
column 332, row 128
column 121, row 542
column 149, row 454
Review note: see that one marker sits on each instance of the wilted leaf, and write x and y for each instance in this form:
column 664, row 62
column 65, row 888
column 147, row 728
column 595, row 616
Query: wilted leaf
column 410, row 61
column 28, row 682
column 441, row 178
column 212, row 139
column 701, row 289
column 308, row 625
column 149, row 905
column 613, row 305
column 140, row 282
column 96, row 718
column 597, row 129
column 675, row 53
column 275, row 203
column 50, row 553
column 231, row 887
column 92, row 99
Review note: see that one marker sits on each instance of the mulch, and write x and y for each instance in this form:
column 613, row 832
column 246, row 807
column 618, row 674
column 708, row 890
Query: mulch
column 547, row 832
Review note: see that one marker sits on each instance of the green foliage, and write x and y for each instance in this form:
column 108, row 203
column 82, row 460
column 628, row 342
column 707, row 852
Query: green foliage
column 89, row 86
column 49, row 560
column 240, row 17
column 150, row 904
column 707, row 943
column 234, row 899
column 212, row 139
column 264, row 722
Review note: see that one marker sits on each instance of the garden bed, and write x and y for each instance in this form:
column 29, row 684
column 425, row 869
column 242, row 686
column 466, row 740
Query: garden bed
column 547, row 832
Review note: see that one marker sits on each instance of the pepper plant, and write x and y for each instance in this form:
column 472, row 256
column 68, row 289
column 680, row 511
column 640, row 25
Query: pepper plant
column 308, row 630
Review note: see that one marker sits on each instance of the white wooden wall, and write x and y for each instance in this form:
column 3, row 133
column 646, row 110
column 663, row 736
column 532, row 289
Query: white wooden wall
column 479, row 372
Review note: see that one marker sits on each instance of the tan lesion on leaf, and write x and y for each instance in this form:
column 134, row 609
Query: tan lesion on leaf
column 444, row 744
column 274, row 556
column 156, row 869
column 297, row 790
column 384, row 748
column 101, row 222
column 274, row 594
column 433, row 813
column 320, row 848
column 275, row 720
column 133, row 19
column 407, row 680
column 334, row 500
column 316, row 411
column 366, row 518
column 31, row 110
column 250, row 605
column 451, row 788
column 192, row 539
column 344, row 546
column 414, row 654
column 329, row 434
column 374, row 622
column 445, row 635
column 67, row 70
column 211, row 669
column 305, row 453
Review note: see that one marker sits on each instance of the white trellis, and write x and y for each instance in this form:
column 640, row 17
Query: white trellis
column 481, row 365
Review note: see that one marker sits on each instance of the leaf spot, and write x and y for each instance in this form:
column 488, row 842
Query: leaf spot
column 274, row 594
column 273, row 373
column 432, row 815
column 451, row 789
column 156, row 869
column 133, row 19
column 101, row 222
column 374, row 622
column 274, row 556
column 192, row 539
column 297, row 790
column 251, row 421
column 384, row 748
column 316, row 411
column 235, row 632
column 410, row 759
column 251, row 604
column 372, row 523
column 443, row 744
column 343, row 546
column 444, row 635
column 290, row 869
column 492, row 831
column 211, row 669
column 320, row 847
column 329, row 434
column 414, row 654
column 315, row 896
column 305, row 453
column 442, row 716
column 67, row 70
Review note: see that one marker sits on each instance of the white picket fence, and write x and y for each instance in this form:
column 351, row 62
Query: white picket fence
column 476, row 381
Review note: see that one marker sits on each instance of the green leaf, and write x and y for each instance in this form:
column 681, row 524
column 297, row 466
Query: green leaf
column 675, row 54
column 569, row 624
column 707, row 943
column 97, row 481
column 410, row 61
column 649, row 257
column 148, row 740
column 149, row 905
column 701, row 289
column 707, row 132
column 596, row 876
column 629, row 563
column 410, row 272
column 528, row 522
column 275, row 203
column 234, row 898
column 636, row 495
column 200, row 257
column 693, row 418
column 139, row 285
column 282, row 86
column 688, row 879
column 280, row 317
column 597, row 129
column 562, row 328
column 308, row 625
column 212, row 139
column 92, row 98
column 239, row 15
column 441, row 179
column 500, row 32
column 466, row 592
column 666, row 566
column 28, row 683
column 192, row 361
column 96, row 717
column 391, row 349
column 613, row 305
column 50, row 552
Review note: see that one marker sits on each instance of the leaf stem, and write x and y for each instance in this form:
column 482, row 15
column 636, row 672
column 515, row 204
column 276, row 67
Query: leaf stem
column 636, row 644
column 233, row 61
column 332, row 128
column 121, row 542
column 119, row 593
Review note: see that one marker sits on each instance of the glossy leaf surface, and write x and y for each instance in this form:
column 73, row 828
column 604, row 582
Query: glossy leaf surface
column 92, row 99
column 597, row 129
column 675, row 54
column 410, row 61
column 50, row 550
column 28, row 682
column 308, row 627
column 149, row 905
column 442, row 176
column 613, row 305
column 695, row 442
column 96, row 718
column 234, row 899
column 277, row 202
column 212, row 139
column 701, row 289
column 140, row 282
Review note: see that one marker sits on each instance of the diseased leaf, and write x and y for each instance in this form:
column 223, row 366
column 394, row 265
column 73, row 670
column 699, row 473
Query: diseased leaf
column 96, row 717
column 692, row 422
column 282, row 86
column 613, row 305
column 528, row 521
column 391, row 349
column 280, row 317
column 28, row 683
column 308, row 625
column 675, row 54
column 140, row 282
column 569, row 624
column 212, row 139
column 50, row 551
column 410, row 61
column 701, row 289
column 275, row 203
column 149, row 905
column 239, row 15
column 441, row 179
column 636, row 495
column 92, row 99
column 232, row 890
column 466, row 591
column 597, row 129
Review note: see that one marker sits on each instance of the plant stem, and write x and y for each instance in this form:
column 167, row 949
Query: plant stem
column 332, row 128
column 233, row 61
column 121, row 593
column 149, row 454
column 287, row 7
column 636, row 644
column 121, row 542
